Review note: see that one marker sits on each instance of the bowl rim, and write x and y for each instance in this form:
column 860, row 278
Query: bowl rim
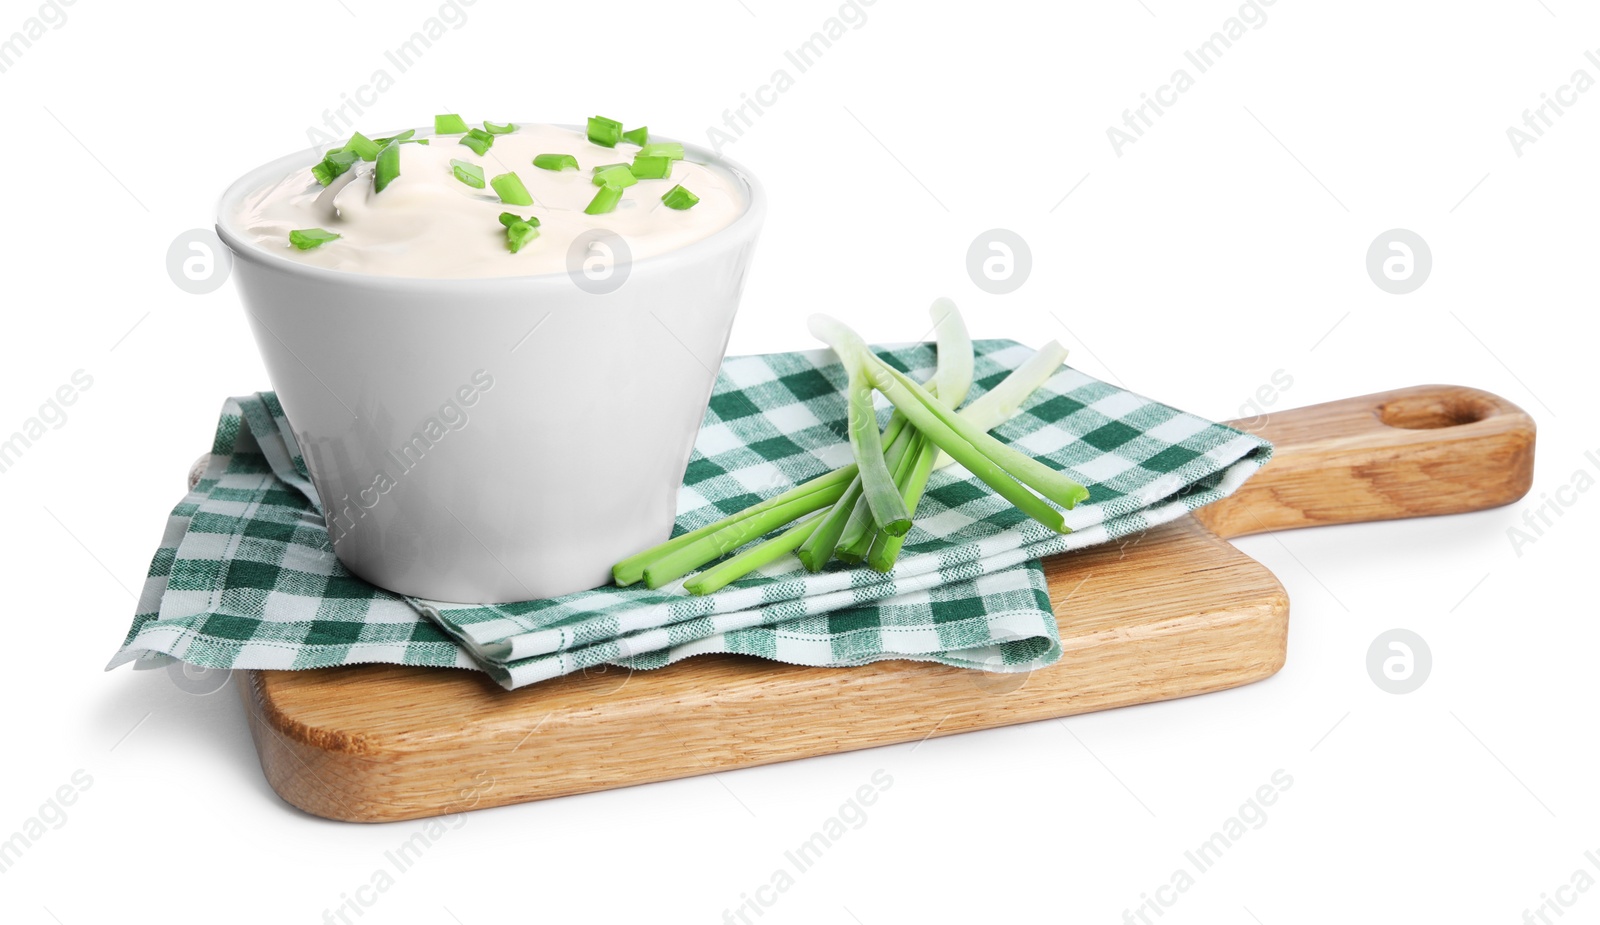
column 744, row 226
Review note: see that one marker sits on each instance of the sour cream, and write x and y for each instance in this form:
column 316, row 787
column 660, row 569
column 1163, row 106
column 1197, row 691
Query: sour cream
column 428, row 224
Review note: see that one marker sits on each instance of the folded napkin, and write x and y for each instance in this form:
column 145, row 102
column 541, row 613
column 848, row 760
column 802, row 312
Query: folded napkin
column 246, row 577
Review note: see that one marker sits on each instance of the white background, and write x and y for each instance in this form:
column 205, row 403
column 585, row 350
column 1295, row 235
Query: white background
column 1227, row 244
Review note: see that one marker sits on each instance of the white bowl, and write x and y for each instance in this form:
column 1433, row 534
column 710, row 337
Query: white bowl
column 460, row 457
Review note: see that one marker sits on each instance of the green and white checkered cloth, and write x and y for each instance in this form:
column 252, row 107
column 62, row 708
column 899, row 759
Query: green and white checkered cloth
column 246, row 576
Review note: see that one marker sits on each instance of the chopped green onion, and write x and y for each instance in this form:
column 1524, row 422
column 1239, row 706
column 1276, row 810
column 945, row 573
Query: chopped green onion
column 679, row 198
column 619, row 176
column 307, row 238
column 388, row 167
column 652, row 167
column 518, row 234
column 363, row 147
column 599, row 167
column 636, row 136
column 449, row 124
column 670, row 149
column 402, row 137
column 468, row 173
column 511, row 190
column 555, row 162
column 604, row 201
column 605, row 132
column 333, row 165
column 493, row 129
column 478, row 140
column 508, row 219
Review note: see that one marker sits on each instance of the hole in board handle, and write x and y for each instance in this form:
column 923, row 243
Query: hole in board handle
column 1431, row 412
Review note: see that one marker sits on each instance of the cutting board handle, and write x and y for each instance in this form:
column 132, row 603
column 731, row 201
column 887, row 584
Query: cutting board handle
column 1429, row 449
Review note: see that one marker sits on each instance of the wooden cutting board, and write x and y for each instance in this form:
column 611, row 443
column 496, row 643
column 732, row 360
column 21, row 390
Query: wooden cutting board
column 1173, row 613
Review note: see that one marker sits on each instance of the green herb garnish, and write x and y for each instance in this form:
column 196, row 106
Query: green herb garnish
column 511, row 190
column 670, row 149
column 652, row 167
column 468, row 173
column 388, row 167
column 403, row 137
column 478, row 140
column 363, row 147
column 518, row 234
column 307, row 238
column 617, row 175
column 494, row 129
column 605, row 132
column 333, row 165
column 637, row 136
column 604, row 201
column 679, row 198
column 510, row 218
column 555, row 162
column 449, row 124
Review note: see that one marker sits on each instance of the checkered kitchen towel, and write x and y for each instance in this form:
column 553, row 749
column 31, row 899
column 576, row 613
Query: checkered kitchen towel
column 246, row 578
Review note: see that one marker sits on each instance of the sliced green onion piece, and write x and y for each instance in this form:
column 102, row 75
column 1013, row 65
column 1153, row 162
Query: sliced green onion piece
column 478, row 140
column 518, row 234
column 670, row 149
column 333, row 165
column 388, row 167
column 605, row 200
column 599, row 167
column 402, row 137
column 679, row 198
column 652, row 167
column 468, row 173
column 636, row 136
column 307, row 238
column 510, row 218
column 493, row 129
column 605, row 132
column 555, row 162
column 619, row 176
column 449, row 124
column 363, row 147
column 511, row 190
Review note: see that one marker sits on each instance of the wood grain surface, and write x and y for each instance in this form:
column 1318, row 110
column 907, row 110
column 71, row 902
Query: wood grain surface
column 1173, row 613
